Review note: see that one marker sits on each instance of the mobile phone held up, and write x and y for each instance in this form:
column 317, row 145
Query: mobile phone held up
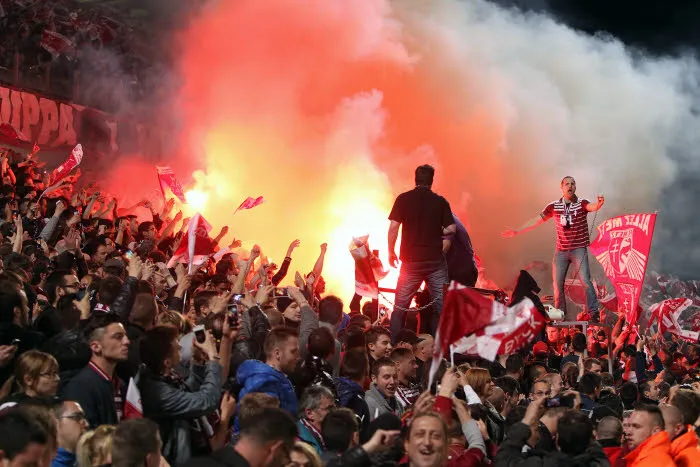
column 199, row 333
column 128, row 254
column 281, row 292
column 232, row 312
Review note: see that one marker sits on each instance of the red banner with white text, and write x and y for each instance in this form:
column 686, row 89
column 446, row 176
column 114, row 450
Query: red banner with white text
column 622, row 248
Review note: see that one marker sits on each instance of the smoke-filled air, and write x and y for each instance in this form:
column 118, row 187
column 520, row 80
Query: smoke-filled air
column 325, row 108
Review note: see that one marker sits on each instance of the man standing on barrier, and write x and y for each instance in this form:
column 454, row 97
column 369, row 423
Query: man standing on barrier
column 426, row 220
column 573, row 238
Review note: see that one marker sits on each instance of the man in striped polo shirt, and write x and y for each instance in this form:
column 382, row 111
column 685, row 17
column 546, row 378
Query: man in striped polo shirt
column 569, row 213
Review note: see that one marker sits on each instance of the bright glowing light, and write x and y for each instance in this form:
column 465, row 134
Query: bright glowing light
column 197, row 199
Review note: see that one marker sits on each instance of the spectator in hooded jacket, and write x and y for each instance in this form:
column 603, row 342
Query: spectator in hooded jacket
column 281, row 357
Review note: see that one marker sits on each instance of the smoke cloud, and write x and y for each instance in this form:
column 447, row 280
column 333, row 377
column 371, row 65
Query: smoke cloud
column 326, row 108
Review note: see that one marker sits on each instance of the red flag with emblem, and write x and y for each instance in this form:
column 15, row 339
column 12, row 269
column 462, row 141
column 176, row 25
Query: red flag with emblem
column 167, row 179
column 198, row 246
column 476, row 325
column 622, row 248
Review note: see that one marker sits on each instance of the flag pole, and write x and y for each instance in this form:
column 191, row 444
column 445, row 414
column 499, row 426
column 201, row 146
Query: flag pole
column 452, row 356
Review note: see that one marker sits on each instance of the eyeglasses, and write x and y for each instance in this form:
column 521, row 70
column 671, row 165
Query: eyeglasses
column 77, row 416
column 542, row 393
column 50, row 374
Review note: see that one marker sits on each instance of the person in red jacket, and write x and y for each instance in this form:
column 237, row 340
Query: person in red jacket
column 684, row 440
column 650, row 444
column 609, row 435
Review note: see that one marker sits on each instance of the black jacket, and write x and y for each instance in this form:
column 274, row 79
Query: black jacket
column 313, row 371
column 95, row 395
column 72, row 352
column 510, row 453
column 225, row 457
column 28, row 340
column 130, row 367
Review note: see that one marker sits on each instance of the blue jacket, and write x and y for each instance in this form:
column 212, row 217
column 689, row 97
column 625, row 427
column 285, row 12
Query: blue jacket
column 256, row 376
column 63, row 459
column 306, row 436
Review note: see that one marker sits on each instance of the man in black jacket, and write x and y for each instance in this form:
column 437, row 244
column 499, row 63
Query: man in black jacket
column 266, row 443
column 97, row 388
column 574, row 439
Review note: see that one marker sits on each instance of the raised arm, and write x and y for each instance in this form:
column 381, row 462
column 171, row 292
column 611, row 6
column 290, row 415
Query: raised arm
column 590, row 207
column 318, row 267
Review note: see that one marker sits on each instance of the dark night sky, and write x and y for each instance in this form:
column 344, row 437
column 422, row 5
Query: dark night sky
column 664, row 27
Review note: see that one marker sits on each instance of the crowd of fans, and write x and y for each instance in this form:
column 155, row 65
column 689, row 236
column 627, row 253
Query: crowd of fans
column 50, row 63
column 233, row 369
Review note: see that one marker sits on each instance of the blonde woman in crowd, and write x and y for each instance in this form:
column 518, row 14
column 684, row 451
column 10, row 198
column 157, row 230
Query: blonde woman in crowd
column 95, row 447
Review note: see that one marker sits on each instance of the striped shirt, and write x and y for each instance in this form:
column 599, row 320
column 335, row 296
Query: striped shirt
column 570, row 220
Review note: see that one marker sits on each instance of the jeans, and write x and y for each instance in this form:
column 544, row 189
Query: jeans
column 560, row 265
column 434, row 273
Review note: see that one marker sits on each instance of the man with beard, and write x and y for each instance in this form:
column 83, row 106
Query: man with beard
column 570, row 216
column 281, row 356
column 407, row 391
column 381, row 397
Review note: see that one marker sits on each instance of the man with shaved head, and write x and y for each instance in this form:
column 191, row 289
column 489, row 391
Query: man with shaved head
column 609, row 435
column 646, row 438
column 684, row 441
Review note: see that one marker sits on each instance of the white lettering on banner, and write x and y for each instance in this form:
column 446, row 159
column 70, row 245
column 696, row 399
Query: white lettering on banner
column 45, row 121
column 641, row 221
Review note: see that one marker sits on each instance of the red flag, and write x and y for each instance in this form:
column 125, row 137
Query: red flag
column 622, row 248
column 198, row 246
column 132, row 405
column 576, row 291
column 667, row 314
column 55, row 43
column 368, row 268
column 76, row 156
column 474, row 324
column 250, row 203
column 166, row 178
